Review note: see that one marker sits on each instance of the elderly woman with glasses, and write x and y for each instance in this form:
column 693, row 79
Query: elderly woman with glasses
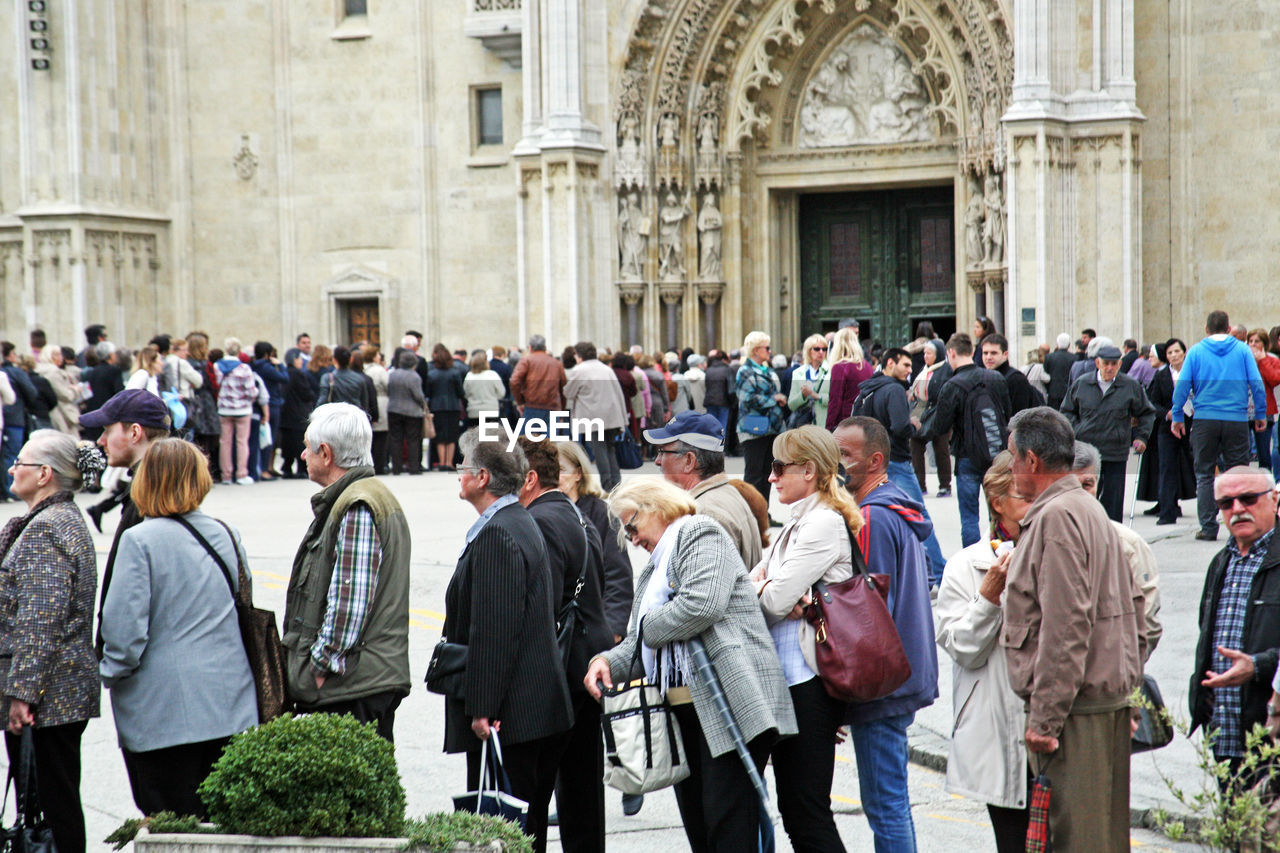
column 761, row 408
column 499, row 605
column 695, row 586
column 814, row 545
column 47, row 579
column 173, row 658
column 809, row 384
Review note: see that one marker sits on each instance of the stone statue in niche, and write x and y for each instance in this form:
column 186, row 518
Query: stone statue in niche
column 710, row 228
column 630, row 170
column 633, row 237
column 975, row 215
column 671, row 216
column 865, row 94
column 708, row 133
column 993, row 227
column 669, row 130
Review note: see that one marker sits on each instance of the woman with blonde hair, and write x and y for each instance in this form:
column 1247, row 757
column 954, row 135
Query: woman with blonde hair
column 170, row 603
column 695, row 586
column 811, row 383
column 849, row 369
column 761, row 405
column 147, row 371
column 66, row 415
column 814, row 545
column 988, row 760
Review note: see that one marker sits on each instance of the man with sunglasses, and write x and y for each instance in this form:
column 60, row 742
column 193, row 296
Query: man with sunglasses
column 1239, row 629
column 691, row 456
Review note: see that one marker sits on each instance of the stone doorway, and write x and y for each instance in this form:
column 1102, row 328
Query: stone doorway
column 886, row 257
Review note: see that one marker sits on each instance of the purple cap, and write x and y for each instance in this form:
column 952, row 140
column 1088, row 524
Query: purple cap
column 132, row 406
column 693, row 428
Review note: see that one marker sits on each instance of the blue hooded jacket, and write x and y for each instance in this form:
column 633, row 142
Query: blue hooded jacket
column 1222, row 374
column 892, row 541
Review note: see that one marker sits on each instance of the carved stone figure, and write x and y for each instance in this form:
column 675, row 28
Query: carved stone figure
column 993, row 228
column 710, row 225
column 245, row 161
column 708, row 133
column 671, row 218
column 633, row 237
column 669, row 130
column 631, row 168
column 974, row 216
column 865, row 94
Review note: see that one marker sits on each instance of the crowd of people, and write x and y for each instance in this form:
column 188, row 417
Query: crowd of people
column 841, row 434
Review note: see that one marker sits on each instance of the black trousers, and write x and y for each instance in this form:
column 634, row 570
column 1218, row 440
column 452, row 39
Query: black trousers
column 166, row 779
column 718, row 803
column 531, row 766
column 404, row 441
column 757, row 458
column 1010, row 826
column 802, row 769
column 380, row 708
column 1111, row 482
column 57, row 780
column 291, row 445
column 380, row 451
column 941, row 454
column 1212, row 440
column 579, row 787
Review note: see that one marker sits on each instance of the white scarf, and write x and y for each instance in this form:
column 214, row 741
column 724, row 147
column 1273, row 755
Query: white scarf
column 675, row 658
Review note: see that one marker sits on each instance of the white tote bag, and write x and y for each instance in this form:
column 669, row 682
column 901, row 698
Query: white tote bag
column 643, row 750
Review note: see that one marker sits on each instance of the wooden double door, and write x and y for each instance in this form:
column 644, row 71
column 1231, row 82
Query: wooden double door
column 886, row 258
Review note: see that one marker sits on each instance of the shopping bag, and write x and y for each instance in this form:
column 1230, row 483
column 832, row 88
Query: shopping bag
column 494, row 796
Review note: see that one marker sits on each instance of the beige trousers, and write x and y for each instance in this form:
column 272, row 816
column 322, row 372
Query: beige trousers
column 1089, row 809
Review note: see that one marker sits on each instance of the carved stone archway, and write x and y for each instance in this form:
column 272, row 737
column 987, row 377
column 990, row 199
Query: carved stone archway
column 709, row 146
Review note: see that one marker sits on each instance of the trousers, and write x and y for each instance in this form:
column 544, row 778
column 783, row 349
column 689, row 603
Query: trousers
column 1089, row 810
column 378, row 708
column 57, row 780
column 579, row 789
column 166, row 779
column 531, row 766
column 803, row 766
column 1211, row 439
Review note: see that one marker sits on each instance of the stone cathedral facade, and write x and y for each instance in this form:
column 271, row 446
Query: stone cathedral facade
column 660, row 172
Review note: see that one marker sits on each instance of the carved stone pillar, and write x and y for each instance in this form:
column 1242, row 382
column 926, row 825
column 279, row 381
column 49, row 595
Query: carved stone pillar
column 631, row 293
column 671, row 295
column 709, row 294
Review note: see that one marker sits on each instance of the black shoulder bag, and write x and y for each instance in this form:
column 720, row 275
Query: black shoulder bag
column 567, row 620
column 30, row 832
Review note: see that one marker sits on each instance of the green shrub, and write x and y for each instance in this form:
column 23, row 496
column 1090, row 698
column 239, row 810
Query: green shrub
column 159, row 823
column 317, row 775
column 439, row 832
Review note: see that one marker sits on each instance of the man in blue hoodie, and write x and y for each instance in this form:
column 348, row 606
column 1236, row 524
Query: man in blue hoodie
column 1221, row 376
column 892, row 541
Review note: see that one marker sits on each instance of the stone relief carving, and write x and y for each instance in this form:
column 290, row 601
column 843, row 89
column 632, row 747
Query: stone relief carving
column 865, row 93
column 669, row 130
column 975, row 215
column 993, row 229
column 671, row 216
column 245, row 161
column 710, row 228
column 633, row 236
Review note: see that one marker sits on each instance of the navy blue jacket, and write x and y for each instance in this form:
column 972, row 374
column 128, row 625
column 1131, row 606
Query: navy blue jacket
column 276, row 378
column 892, row 541
column 24, row 395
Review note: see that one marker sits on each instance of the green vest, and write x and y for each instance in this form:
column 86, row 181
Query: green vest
column 379, row 662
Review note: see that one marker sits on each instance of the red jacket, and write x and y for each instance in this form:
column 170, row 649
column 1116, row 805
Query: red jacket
column 1269, row 367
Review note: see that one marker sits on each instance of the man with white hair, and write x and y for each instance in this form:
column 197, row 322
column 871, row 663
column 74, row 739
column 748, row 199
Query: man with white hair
column 1058, row 365
column 346, row 613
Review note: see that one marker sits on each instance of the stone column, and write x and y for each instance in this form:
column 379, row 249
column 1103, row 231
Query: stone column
column 562, row 65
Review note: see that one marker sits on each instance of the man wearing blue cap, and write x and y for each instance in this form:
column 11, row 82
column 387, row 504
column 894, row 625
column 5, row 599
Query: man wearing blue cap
column 691, row 456
column 1102, row 405
column 130, row 421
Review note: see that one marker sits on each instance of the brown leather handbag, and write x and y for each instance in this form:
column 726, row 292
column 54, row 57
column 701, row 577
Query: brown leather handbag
column 859, row 653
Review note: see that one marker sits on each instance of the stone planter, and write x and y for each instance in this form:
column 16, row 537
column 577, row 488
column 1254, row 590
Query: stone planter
column 182, row 843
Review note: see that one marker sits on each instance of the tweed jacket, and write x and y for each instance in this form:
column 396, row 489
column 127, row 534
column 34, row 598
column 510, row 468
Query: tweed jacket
column 47, row 580
column 714, row 600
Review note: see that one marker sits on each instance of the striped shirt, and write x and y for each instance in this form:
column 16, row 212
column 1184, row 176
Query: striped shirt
column 355, row 577
column 1228, row 632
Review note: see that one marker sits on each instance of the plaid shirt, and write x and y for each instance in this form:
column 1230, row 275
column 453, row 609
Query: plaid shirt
column 355, row 577
column 1228, row 631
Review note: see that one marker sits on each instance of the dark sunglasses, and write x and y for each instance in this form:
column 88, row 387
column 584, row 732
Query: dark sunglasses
column 778, row 467
column 817, row 349
column 1247, row 499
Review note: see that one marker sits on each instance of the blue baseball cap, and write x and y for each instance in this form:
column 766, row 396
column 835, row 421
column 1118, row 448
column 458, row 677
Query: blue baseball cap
column 693, row 428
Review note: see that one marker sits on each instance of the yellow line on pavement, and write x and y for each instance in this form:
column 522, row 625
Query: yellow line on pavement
column 846, row 800
column 262, row 573
column 844, row 759
column 431, row 613
column 270, row 585
column 958, row 820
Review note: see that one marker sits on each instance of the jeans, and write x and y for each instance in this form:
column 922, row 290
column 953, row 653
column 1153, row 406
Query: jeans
column 1262, row 441
column 968, row 489
column 532, row 413
column 1209, row 440
column 1275, row 452
column 903, row 476
column 606, row 459
column 14, row 437
column 880, row 748
column 720, row 413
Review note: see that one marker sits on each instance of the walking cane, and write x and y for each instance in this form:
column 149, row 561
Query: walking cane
column 707, row 673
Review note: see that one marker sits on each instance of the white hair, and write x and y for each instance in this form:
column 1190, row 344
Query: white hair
column 347, row 431
column 1064, row 340
column 1096, row 344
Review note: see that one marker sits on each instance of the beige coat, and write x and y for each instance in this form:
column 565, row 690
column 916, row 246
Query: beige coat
column 813, row 546
column 1146, row 574
column 1071, row 592
column 592, row 391
column 66, row 415
column 988, row 759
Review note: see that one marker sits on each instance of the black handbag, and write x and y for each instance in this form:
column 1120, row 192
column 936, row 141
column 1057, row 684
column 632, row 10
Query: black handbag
column 30, row 832
column 1154, row 728
column 629, row 455
column 446, row 670
column 567, row 620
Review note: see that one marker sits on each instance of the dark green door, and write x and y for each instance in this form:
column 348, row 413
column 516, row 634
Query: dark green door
column 885, row 257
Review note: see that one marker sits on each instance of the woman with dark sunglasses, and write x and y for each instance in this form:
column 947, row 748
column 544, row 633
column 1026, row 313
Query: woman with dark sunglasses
column 810, row 385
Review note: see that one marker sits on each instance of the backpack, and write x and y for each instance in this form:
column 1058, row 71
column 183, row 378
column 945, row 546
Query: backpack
column 985, row 428
column 862, row 405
